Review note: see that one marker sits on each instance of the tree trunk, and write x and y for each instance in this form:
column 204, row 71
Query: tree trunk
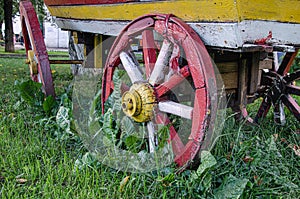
column 9, row 34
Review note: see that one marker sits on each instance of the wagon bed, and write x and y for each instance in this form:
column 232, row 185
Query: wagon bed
column 168, row 51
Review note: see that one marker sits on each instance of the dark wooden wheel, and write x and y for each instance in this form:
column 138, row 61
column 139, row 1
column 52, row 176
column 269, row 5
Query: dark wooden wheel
column 280, row 90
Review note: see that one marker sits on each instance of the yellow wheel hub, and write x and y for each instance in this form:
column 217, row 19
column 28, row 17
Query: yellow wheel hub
column 138, row 102
column 31, row 62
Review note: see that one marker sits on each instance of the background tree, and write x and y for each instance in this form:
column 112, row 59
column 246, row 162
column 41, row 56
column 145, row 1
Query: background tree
column 1, row 18
column 9, row 34
column 10, row 9
column 14, row 12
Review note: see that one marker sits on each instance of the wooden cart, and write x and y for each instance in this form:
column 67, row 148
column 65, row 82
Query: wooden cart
column 176, row 41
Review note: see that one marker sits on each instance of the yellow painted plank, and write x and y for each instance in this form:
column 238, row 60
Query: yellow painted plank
column 203, row 10
column 277, row 10
column 192, row 10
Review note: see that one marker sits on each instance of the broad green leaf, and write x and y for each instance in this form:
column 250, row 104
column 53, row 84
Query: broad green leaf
column 65, row 100
column 63, row 118
column 206, row 182
column 107, row 142
column 88, row 159
column 31, row 92
column 132, row 143
column 48, row 104
column 272, row 144
column 127, row 126
column 231, row 188
column 207, row 161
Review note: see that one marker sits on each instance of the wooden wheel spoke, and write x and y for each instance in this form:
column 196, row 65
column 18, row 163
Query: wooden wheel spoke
column 263, row 109
column 162, row 64
column 292, row 77
column 286, row 63
column 279, row 115
column 267, row 80
column 131, row 68
column 149, row 51
column 39, row 79
column 173, row 81
column 292, row 105
column 124, row 88
column 176, row 109
column 151, row 136
column 294, row 90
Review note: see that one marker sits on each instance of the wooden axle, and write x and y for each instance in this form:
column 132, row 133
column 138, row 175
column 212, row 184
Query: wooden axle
column 66, row 61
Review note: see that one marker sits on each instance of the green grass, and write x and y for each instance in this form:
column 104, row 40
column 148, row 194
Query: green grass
column 23, row 52
column 38, row 158
column 19, row 51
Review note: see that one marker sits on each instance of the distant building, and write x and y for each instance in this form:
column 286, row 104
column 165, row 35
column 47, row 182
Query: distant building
column 54, row 37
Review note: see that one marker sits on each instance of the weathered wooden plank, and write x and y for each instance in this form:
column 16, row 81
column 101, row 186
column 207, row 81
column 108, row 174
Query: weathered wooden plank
column 228, row 35
column 242, row 84
column 230, row 80
column 266, row 64
column 254, row 72
column 227, row 67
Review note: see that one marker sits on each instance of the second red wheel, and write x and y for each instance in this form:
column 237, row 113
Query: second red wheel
column 37, row 56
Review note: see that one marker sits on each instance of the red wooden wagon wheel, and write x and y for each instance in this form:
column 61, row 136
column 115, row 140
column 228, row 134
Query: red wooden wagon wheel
column 173, row 85
column 280, row 90
column 37, row 56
